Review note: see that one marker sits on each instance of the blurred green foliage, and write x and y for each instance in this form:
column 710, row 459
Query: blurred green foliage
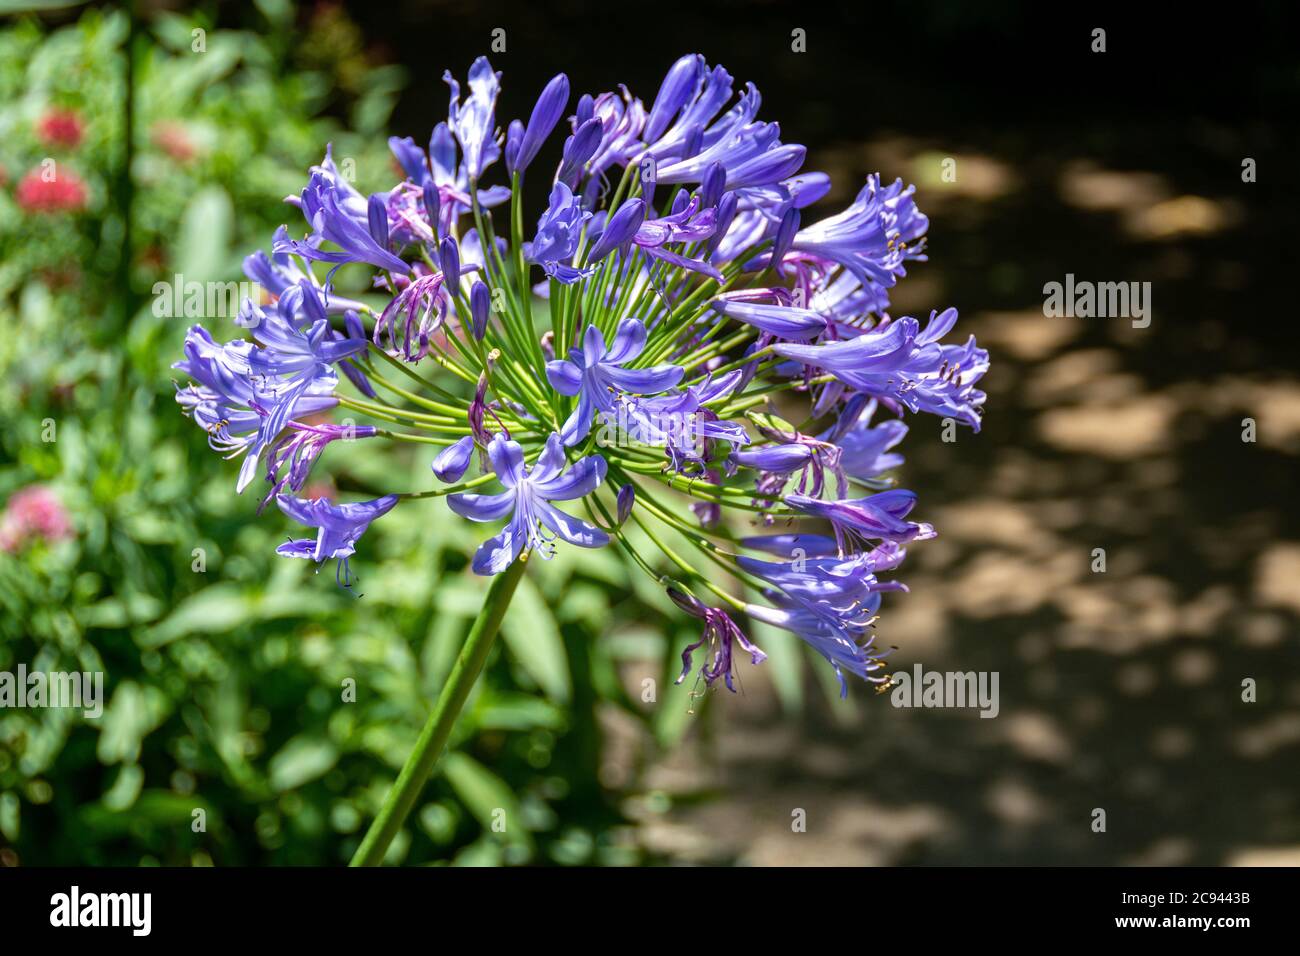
column 238, row 684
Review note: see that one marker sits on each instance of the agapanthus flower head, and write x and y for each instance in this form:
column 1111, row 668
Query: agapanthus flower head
column 681, row 344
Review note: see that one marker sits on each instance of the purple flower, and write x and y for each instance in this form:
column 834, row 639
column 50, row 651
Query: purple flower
column 340, row 528
column 790, row 452
column 711, row 185
column 451, row 463
column 683, row 424
column 691, row 96
column 864, row 448
column 679, row 87
column 424, row 301
column 844, row 300
column 874, row 236
column 689, row 363
column 526, row 501
column 783, row 321
column 750, row 151
column 827, row 583
column 243, row 412
column 875, row 517
column 784, row 238
column 439, row 191
column 480, row 305
column 302, row 348
column 720, row 632
column 474, row 121
column 596, row 375
column 898, row 363
column 558, row 232
column 835, row 638
column 828, row 601
column 449, row 262
column 578, row 150
column 330, row 206
column 620, row 229
column 277, row 273
column 514, row 140
column 726, row 215
column 327, row 175
column 688, row 224
column 622, row 119
column 546, row 113
column 626, row 500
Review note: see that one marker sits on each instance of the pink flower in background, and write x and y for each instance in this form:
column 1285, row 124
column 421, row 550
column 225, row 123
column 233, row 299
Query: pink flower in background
column 33, row 512
column 65, row 193
column 174, row 140
column 58, row 127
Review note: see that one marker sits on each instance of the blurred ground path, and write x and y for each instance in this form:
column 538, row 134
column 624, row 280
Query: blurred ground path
column 1119, row 690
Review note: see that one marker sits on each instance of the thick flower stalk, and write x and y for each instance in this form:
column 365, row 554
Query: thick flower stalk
column 676, row 340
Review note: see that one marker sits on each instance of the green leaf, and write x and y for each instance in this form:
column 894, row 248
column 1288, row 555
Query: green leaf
column 203, row 251
column 486, row 796
column 534, row 640
column 214, row 610
column 131, row 715
column 512, row 711
column 126, row 788
column 301, row 760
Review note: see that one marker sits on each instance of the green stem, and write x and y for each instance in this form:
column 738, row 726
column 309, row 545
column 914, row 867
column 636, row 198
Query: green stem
column 433, row 738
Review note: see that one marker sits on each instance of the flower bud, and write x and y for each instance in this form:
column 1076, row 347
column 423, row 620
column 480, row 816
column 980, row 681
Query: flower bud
column 452, row 461
column 480, row 304
column 626, row 499
column 449, row 257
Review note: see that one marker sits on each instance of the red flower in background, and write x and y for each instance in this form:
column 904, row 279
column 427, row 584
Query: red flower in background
column 33, row 512
column 63, row 193
column 60, row 128
column 174, row 140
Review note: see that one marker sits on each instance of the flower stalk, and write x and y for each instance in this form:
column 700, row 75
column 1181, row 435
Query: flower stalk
column 432, row 741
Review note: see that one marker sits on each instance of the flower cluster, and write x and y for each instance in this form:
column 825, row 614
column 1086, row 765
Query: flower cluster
column 670, row 332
